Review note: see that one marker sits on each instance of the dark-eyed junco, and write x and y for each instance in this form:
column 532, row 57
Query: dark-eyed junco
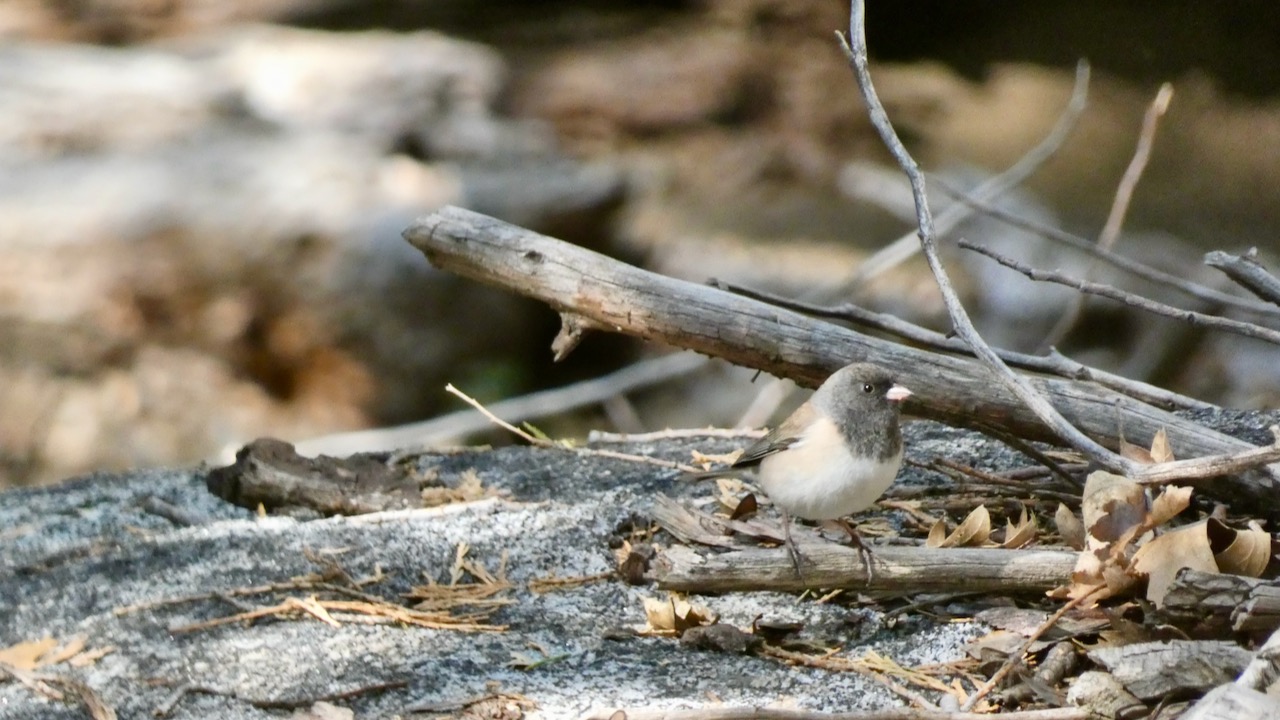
column 835, row 455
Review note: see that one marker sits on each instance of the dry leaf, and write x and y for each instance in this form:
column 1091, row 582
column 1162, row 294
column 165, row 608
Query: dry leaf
column 1137, row 453
column 1114, row 509
column 1167, row 505
column 937, row 533
column 1111, row 504
column 674, row 615
column 1022, row 534
column 1160, row 450
column 1162, row 558
column 1069, row 527
column 1000, row 642
column 973, row 532
column 746, row 507
column 1248, row 553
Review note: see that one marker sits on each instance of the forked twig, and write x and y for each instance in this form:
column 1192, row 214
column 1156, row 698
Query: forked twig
column 1247, row 272
column 905, row 247
column 1119, row 206
column 855, row 47
column 1238, row 327
column 1129, row 265
column 1054, row 363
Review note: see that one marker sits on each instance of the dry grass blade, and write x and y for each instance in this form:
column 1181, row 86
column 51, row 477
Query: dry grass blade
column 547, row 443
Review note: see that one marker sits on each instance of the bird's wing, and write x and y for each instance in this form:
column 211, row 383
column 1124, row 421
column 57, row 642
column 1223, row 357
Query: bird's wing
column 779, row 438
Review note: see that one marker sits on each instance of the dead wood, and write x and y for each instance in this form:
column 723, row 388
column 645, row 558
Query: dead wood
column 1157, row 670
column 1104, row 697
column 269, row 473
column 1247, row 272
column 607, row 294
column 784, row 713
column 1232, row 702
column 1213, row 603
column 896, row 570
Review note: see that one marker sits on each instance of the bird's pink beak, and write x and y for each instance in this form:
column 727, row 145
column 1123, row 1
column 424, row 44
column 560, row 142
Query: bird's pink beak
column 897, row 393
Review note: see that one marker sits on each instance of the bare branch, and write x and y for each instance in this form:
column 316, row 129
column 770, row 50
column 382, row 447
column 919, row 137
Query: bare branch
column 856, row 49
column 1054, row 363
column 905, row 247
column 1129, row 265
column 1119, row 207
column 1154, row 307
column 544, row 403
column 1247, row 272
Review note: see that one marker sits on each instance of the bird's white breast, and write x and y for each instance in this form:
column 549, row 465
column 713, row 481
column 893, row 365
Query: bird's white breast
column 817, row 478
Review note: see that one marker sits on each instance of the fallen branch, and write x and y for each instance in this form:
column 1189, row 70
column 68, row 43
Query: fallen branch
column 1247, row 272
column 896, row 570
column 1217, row 603
column 764, row 713
column 617, row 297
column 1154, row 307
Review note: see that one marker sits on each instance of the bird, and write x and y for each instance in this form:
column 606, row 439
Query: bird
column 834, row 456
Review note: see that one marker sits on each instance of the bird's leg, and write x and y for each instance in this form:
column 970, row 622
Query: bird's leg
column 791, row 544
column 864, row 551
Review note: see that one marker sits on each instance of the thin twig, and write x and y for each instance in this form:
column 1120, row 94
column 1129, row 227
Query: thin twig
column 905, row 247
column 1247, row 272
column 1032, row 452
column 832, row 662
column 448, row 428
column 1129, row 265
column 1054, row 363
column 1154, row 307
column 497, row 420
column 1015, row 658
column 1211, row 465
column 544, row 443
column 856, row 49
column 670, row 434
column 1119, row 207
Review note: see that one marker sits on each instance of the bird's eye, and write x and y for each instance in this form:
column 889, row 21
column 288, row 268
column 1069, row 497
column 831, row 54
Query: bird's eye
column 868, row 388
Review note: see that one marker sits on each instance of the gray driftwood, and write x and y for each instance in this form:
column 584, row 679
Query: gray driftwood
column 594, row 292
column 895, row 570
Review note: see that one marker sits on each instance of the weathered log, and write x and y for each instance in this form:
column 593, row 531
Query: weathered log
column 894, row 570
column 598, row 293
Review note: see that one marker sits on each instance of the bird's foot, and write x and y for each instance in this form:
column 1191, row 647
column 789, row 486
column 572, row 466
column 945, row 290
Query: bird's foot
column 864, row 550
column 792, row 549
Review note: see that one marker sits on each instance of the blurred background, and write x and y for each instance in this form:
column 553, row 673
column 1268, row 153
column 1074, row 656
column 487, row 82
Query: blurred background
column 201, row 202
